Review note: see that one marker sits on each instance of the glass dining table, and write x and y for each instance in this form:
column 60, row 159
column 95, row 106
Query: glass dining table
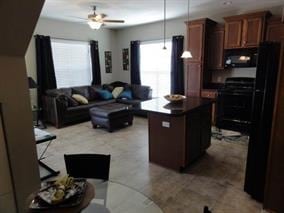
column 112, row 197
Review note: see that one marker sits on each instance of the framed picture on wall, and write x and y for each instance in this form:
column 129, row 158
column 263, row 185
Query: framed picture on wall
column 108, row 62
column 125, row 59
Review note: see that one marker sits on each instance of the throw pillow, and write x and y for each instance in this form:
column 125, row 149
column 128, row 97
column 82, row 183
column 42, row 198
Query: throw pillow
column 81, row 99
column 105, row 94
column 126, row 94
column 117, row 91
column 83, row 90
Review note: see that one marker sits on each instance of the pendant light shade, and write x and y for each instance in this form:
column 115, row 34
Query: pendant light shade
column 186, row 53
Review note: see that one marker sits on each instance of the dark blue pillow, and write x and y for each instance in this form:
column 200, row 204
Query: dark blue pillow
column 126, row 94
column 104, row 94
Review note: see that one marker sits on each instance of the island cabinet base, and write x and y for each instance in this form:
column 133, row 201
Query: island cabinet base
column 176, row 141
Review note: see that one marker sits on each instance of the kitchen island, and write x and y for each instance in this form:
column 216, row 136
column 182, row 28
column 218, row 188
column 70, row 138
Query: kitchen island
column 179, row 133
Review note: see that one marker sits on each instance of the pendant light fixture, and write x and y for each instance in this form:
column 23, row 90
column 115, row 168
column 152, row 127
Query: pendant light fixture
column 164, row 48
column 186, row 53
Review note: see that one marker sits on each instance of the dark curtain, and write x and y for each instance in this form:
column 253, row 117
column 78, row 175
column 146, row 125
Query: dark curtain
column 45, row 68
column 135, row 62
column 96, row 68
column 177, row 75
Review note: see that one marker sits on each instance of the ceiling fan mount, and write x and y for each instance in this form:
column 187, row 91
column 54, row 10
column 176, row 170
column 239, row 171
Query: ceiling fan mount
column 96, row 20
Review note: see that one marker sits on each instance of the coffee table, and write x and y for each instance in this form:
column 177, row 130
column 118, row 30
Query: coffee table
column 42, row 136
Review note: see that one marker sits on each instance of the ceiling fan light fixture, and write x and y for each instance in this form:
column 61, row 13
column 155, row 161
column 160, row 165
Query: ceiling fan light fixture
column 186, row 54
column 94, row 25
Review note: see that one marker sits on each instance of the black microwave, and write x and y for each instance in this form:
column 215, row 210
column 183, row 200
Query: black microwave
column 240, row 58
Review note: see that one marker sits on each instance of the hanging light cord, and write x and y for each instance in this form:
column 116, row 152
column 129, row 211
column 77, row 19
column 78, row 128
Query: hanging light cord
column 188, row 10
column 164, row 25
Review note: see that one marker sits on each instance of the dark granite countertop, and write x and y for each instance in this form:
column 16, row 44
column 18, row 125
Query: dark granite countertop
column 161, row 105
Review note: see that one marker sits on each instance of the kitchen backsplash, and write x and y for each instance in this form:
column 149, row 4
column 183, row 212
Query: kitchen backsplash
column 219, row 76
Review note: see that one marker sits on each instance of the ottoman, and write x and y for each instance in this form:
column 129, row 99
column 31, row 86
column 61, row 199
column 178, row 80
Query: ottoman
column 111, row 115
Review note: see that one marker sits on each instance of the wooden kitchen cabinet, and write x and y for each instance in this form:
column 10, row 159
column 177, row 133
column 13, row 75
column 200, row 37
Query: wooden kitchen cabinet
column 216, row 48
column 193, row 82
column 275, row 30
column 233, row 34
column 195, row 40
column 212, row 94
column 178, row 136
column 252, row 31
column 196, row 67
column 245, row 31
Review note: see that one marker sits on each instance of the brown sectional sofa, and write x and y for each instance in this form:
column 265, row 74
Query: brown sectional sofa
column 60, row 109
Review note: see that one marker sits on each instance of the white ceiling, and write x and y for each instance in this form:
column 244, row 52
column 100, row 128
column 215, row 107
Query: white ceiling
column 136, row 12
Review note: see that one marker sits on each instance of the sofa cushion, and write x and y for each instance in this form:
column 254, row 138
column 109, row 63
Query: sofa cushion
column 101, row 102
column 83, row 90
column 126, row 94
column 140, row 92
column 56, row 92
column 68, row 101
column 133, row 102
column 90, row 105
column 118, row 84
column 105, row 94
column 117, row 91
column 94, row 95
column 80, row 99
column 108, row 87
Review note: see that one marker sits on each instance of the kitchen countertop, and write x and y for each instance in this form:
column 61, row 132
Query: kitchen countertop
column 161, row 105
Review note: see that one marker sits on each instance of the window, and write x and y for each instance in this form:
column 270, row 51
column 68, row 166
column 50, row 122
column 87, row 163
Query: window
column 155, row 67
column 72, row 63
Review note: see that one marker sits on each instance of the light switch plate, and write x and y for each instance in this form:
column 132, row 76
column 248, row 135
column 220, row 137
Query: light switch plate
column 166, row 124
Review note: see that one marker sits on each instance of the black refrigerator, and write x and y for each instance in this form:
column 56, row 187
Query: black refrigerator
column 261, row 118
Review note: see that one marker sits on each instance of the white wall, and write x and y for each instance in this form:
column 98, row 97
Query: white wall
column 146, row 32
column 219, row 76
column 75, row 31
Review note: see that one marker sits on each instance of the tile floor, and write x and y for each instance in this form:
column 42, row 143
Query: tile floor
column 216, row 180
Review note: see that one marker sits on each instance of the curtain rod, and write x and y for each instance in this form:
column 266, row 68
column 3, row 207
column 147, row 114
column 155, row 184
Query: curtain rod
column 66, row 39
column 154, row 40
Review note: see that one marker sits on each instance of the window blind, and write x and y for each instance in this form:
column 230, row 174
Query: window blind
column 72, row 63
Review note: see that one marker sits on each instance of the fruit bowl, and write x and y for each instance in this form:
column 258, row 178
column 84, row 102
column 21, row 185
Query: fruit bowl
column 174, row 98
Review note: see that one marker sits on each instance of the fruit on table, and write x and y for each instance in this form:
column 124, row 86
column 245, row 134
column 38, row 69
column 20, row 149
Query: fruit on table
column 62, row 185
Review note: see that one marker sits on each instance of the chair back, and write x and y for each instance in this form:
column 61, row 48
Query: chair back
column 88, row 165
column 206, row 210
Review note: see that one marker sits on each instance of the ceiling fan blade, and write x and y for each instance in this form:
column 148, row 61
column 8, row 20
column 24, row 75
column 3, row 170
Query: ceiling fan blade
column 113, row 21
column 79, row 18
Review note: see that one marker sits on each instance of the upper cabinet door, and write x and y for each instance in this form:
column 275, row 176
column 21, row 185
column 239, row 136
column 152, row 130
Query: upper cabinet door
column 252, row 32
column 195, row 41
column 233, row 34
column 245, row 31
column 275, row 30
column 216, row 49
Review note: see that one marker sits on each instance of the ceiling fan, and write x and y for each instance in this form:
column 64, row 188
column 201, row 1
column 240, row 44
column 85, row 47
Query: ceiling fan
column 96, row 20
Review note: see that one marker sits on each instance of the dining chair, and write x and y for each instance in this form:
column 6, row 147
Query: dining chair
column 206, row 210
column 95, row 166
column 92, row 166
